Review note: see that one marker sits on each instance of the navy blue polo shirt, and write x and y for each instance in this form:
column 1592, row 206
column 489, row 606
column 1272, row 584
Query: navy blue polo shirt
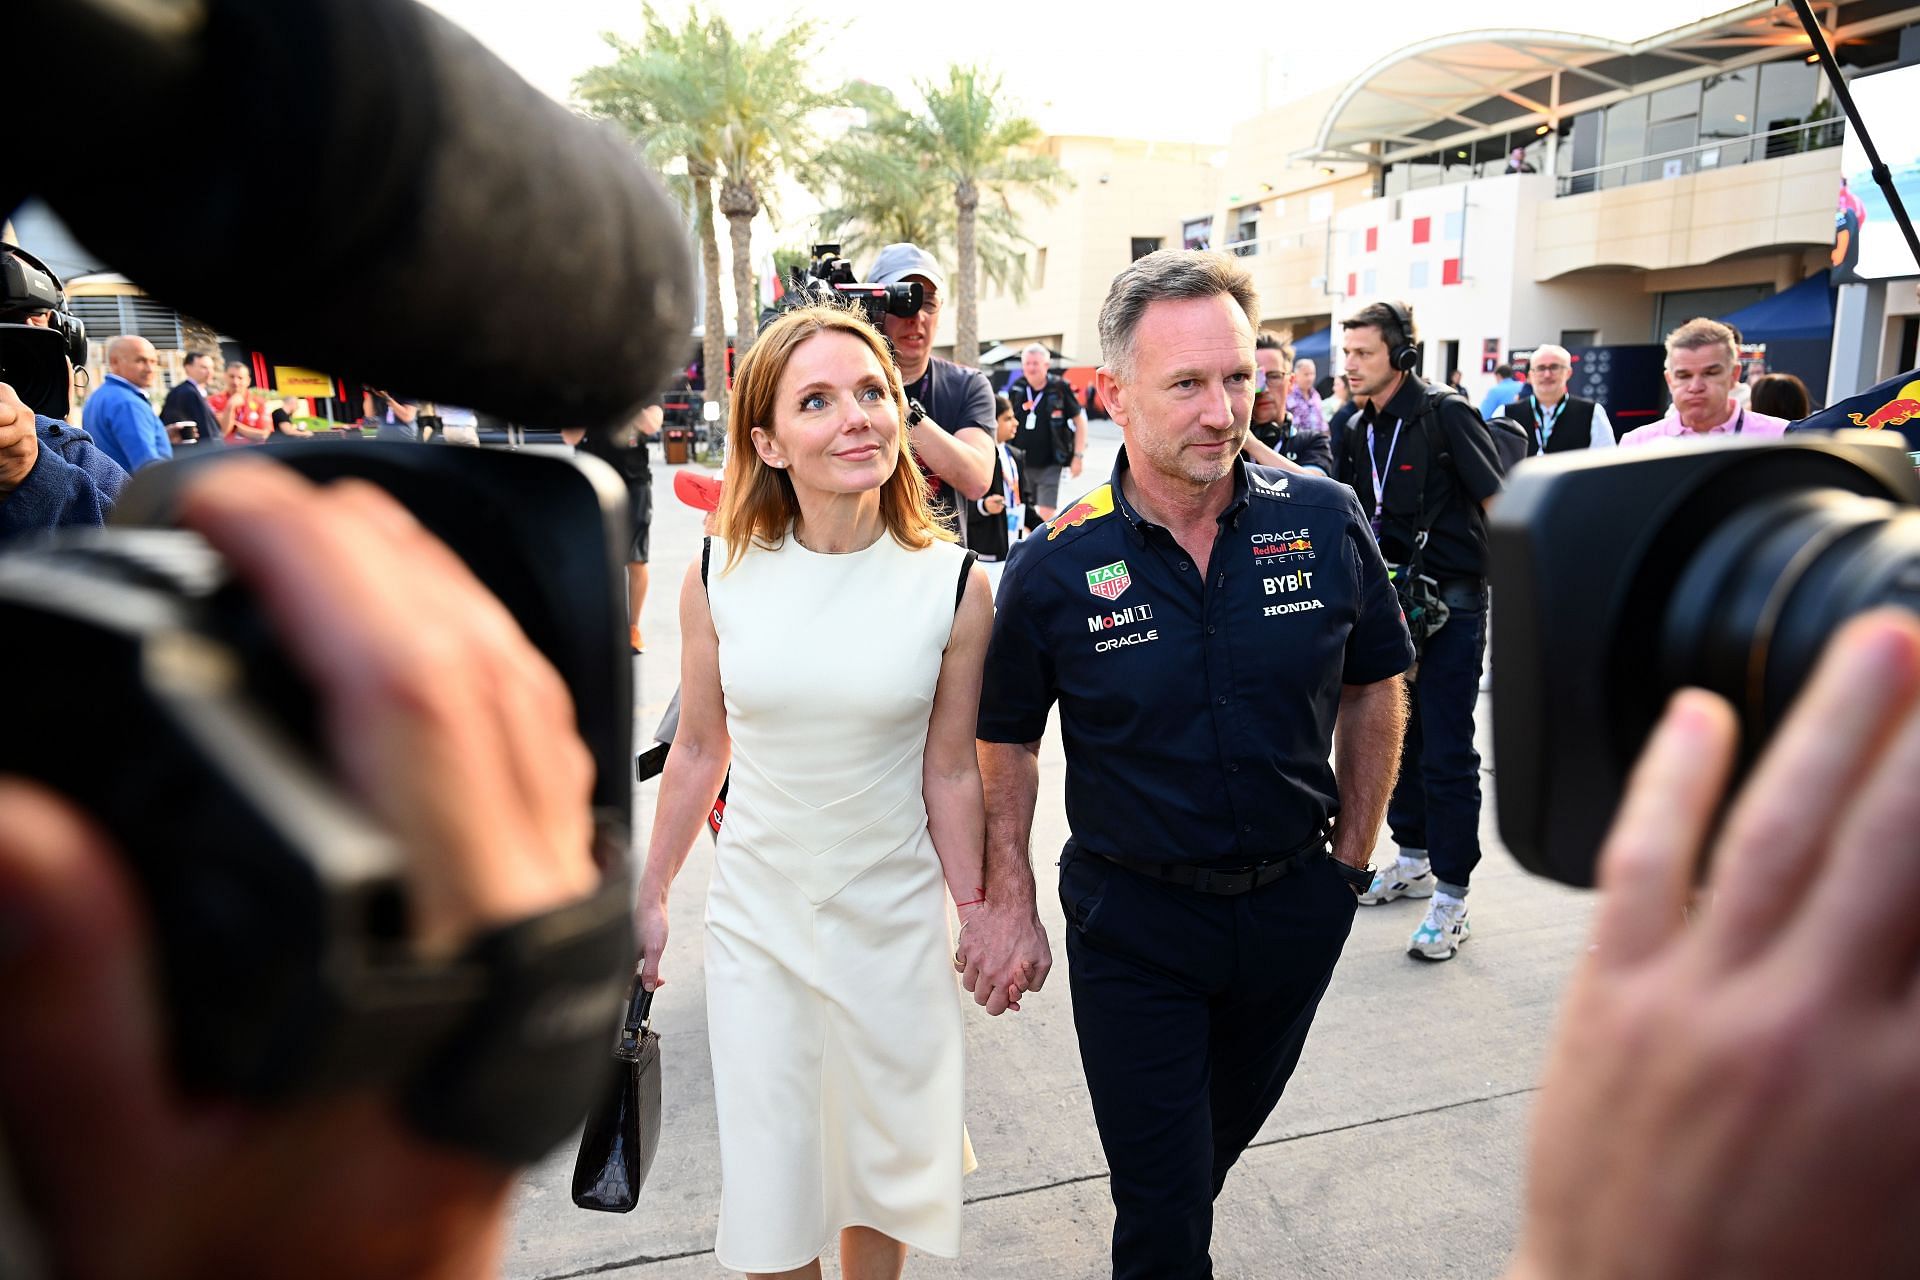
column 1198, row 716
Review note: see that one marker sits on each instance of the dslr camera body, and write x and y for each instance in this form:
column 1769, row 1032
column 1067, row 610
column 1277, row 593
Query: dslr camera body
column 1620, row 578
column 829, row 280
column 279, row 909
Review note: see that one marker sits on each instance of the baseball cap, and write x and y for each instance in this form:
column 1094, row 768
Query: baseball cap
column 899, row 260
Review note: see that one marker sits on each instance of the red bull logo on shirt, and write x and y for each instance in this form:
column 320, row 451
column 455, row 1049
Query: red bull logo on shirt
column 1896, row 412
column 1097, row 503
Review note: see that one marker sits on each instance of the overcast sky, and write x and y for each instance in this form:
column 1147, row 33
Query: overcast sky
column 1077, row 66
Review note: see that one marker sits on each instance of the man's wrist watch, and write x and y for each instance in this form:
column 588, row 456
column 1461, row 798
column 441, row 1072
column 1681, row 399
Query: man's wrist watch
column 1359, row 879
column 916, row 413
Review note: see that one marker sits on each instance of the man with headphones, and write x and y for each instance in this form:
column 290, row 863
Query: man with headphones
column 51, row 474
column 1424, row 466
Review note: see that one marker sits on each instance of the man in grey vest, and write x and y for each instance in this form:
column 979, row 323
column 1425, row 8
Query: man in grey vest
column 1553, row 420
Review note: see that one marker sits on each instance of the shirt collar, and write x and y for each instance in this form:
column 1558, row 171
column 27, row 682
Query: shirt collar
column 1138, row 524
column 114, row 377
column 1671, row 424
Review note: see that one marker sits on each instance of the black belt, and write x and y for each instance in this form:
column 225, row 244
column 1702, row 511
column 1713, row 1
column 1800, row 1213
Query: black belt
column 1225, row 881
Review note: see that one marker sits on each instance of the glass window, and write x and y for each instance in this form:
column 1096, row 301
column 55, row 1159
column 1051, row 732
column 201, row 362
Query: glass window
column 1726, row 116
column 1786, row 98
column 1144, row 245
column 1396, row 179
column 1665, row 136
column 1625, row 139
column 1197, row 233
column 1670, row 104
column 1246, row 232
column 1450, row 227
column 1417, row 275
column 1459, row 162
column 1582, row 151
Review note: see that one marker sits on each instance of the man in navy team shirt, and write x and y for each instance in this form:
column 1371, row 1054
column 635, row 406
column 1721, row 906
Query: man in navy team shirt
column 1202, row 624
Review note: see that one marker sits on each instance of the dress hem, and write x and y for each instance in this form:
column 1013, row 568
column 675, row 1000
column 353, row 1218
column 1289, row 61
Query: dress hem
column 822, row 1250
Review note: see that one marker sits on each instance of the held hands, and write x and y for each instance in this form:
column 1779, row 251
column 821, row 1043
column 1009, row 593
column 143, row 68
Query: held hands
column 1001, row 954
column 1731, row 1088
column 19, row 442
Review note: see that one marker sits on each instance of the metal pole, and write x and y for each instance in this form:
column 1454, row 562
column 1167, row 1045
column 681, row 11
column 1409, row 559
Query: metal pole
column 1881, row 174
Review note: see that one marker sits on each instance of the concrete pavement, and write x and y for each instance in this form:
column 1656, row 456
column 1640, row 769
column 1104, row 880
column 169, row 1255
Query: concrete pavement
column 1396, row 1152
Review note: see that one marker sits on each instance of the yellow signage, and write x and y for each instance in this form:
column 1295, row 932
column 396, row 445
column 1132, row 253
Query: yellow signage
column 293, row 381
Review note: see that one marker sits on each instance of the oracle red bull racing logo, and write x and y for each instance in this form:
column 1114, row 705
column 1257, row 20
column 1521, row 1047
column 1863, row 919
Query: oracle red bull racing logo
column 1896, row 412
column 1096, row 504
column 1289, row 544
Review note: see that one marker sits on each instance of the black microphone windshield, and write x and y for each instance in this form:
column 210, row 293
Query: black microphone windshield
column 387, row 201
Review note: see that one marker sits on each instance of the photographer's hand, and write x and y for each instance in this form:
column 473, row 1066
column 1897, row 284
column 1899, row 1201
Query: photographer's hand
column 423, row 675
column 1733, row 1095
column 19, row 441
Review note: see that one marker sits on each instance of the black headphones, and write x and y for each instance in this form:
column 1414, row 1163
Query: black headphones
column 1401, row 351
column 28, row 284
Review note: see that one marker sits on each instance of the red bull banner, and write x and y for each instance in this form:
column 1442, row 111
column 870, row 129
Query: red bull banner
column 1893, row 405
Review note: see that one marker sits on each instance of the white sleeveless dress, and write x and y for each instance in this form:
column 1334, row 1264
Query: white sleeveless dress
column 833, row 1011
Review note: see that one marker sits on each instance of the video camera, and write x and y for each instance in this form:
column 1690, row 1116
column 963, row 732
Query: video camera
column 279, row 910
column 34, row 359
column 828, row 278
column 1622, row 576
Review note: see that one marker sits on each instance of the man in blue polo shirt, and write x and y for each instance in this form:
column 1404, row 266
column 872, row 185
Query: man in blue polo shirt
column 1203, row 624
column 118, row 414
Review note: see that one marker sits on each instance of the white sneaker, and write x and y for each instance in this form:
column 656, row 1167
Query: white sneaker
column 1400, row 879
column 1442, row 932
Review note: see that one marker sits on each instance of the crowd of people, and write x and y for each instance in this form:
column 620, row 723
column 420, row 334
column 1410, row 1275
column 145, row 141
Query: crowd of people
column 885, row 762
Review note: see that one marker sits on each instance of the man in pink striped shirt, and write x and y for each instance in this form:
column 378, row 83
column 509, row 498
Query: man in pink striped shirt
column 1702, row 365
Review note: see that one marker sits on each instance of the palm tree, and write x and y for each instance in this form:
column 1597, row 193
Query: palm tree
column 982, row 151
column 766, row 104
column 665, row 93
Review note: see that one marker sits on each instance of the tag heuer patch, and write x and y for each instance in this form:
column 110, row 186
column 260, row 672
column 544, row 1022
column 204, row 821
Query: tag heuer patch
column 1108, row 581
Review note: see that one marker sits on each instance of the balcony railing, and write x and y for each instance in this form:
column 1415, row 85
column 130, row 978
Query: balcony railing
column 1719, row 153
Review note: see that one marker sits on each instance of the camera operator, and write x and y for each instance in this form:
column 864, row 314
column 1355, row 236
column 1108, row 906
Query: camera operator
column 125, row 1176
column 950, row 412
column 1730, row 1090
column 51, row 474
column 1423, row 464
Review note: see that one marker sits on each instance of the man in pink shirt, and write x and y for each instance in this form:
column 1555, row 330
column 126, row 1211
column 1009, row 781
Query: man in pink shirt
column 1702, row 366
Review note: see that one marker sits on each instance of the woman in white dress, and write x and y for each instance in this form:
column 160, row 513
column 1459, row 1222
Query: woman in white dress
column 832, row 643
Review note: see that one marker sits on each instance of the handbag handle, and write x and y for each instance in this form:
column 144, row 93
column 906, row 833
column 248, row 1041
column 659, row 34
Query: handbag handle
column 639, row 1006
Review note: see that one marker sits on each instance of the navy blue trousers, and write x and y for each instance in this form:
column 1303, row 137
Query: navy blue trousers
column 1436, row 802
column 1192, row 1011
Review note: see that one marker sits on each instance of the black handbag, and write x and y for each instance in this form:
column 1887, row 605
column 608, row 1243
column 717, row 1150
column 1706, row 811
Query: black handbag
column 623, row 1130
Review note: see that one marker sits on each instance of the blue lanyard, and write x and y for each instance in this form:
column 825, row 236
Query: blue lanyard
column 1380, row 474
column 1543, row 421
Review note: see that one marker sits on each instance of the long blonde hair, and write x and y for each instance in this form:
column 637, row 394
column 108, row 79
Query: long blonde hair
column 757, row 502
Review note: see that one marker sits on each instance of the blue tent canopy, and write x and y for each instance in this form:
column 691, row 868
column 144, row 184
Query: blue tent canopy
column 1315, row 347
column 1802, row 312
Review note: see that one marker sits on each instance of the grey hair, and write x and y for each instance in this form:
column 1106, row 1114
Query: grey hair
column 1701, row 332
column 1168, row 275
column 1032, row 347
